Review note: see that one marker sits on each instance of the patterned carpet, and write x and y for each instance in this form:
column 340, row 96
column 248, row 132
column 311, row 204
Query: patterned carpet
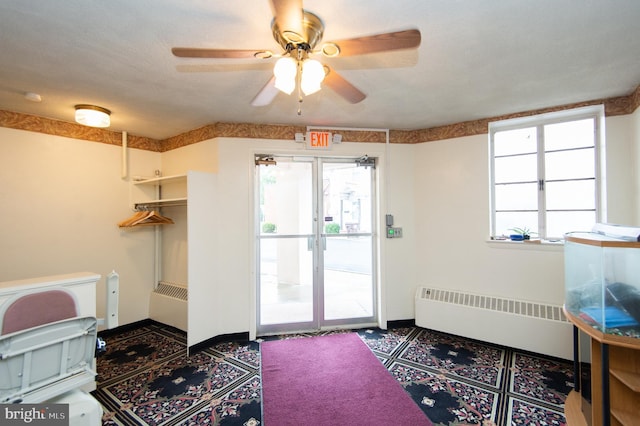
column 145, row 378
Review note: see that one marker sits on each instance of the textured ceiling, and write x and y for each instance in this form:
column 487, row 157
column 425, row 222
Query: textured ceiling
column 477, row 59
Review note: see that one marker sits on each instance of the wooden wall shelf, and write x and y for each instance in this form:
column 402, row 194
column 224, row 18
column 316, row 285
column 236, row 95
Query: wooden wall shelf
column 615, row 380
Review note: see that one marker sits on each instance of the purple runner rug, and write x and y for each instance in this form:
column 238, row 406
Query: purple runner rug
column 331, row 380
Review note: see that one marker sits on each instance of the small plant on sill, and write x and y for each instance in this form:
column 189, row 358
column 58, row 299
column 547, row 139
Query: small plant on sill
column 521, row 234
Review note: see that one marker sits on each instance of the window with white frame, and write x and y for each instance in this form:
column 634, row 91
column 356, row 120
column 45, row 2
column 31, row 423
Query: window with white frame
column 545, row 173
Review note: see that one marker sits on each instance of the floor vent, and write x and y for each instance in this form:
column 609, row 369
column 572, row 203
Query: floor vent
column 172, row 290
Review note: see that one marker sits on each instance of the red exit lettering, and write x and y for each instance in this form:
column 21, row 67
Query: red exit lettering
column 319, row 139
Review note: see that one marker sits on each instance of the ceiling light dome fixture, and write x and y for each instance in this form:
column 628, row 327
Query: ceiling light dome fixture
column 312, row 76
column 285, row 72
column 94, row 116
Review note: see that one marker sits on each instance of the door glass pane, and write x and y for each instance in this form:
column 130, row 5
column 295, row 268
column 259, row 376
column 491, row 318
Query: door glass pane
column 286, row 281
column 286, row 258
column 348, row 286
column 286, row 206
column 346, row 198
column 347, row 259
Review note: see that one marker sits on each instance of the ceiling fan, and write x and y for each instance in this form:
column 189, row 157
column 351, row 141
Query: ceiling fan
column 299, row 33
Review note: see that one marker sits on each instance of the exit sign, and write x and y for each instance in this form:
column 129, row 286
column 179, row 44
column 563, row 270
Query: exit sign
column 319, row 140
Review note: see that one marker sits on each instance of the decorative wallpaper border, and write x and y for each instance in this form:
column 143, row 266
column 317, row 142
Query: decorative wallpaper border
column 32, row 123
column 621, row 105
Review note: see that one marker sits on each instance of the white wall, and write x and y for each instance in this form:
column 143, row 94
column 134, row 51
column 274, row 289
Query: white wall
column 622, row 194
column 61, row 198
column 201, row 157
column 452, row 217
column 635, row 129
column 403, row 261
column 236, row 228
column 60, row 201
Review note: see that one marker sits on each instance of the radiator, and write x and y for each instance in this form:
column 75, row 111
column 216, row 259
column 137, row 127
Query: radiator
column 168, row 305
column 536, row 327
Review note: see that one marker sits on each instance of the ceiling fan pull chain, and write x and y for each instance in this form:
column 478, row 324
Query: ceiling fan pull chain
column 299, row 86
column 299, row 102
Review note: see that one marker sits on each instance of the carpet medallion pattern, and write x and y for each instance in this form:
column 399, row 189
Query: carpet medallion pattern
column 464, row 359
column 145, row 378
column 458, row 381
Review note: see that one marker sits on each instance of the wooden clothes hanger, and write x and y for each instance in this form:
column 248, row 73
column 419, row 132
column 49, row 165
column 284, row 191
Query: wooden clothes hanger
column 130, row 220
column 145, row 218
column 153, row 218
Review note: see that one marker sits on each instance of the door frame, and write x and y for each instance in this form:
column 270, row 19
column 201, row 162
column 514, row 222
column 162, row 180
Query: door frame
column 378, row 314
column 324, row 238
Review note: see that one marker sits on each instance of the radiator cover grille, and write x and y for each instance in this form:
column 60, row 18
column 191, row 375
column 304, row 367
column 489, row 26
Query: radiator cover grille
column 172, row 290
column 512, row 306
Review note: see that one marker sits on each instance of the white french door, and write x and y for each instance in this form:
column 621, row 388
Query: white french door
column 315, row 244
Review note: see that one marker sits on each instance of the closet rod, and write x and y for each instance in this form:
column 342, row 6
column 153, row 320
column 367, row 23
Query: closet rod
column 161, row 203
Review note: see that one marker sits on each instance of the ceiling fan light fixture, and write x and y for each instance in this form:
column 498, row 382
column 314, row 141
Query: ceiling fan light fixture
column 93, row 116
column 263, row 54
column 312, row 76
column 285, row 72
column 330, row 50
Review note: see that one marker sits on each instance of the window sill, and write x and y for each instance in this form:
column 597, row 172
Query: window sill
column 544, row 245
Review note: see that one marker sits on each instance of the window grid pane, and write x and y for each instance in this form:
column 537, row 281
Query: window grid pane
column 516, row 197
column 574, row 164
column 518, row 141
column 560, row 173
column 559, row 223
column 520, row 168
column 571, row 195
column 570, row 134
column 506, row 221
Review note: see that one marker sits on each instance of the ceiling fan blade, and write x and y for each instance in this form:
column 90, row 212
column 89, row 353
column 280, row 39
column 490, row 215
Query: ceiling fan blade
column 288, row 15
column 191, row 52
column 342, row 87
column 406, row 39
column 267, row 94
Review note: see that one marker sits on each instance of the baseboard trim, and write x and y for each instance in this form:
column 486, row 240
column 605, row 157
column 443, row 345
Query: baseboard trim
column 401, row 323
column 232, row 337
column 126, row 327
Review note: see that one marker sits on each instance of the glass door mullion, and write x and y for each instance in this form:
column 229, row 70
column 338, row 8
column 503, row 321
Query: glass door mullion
column 321, row 242
column 317, row 246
